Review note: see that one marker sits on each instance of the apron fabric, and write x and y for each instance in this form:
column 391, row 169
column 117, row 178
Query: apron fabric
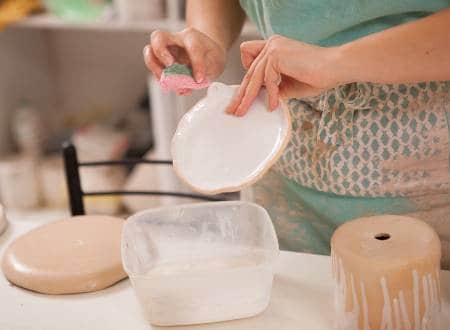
column 359, row 150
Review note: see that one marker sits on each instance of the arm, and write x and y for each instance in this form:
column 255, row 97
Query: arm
column 223, row 23
column 213, row 25
column 412, row 52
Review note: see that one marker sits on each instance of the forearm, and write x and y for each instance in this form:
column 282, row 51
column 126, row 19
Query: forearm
column 412, row 52
column 221, row 20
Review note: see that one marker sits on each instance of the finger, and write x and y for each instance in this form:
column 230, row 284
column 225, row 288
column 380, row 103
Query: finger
column 160, row 41
column 232, row 107
column 152, row 62
column 250, row 50
column 236, row 101
column 271, row 80
column 252, row 89
column 197, row 57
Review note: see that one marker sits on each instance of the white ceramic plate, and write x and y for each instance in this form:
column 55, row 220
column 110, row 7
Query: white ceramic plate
column 214, row 152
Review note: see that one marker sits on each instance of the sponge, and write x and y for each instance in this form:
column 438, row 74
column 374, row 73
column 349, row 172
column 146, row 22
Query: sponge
column 178, row 77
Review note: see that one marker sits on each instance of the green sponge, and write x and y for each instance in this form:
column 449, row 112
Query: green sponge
column 178, row 77
column 178, row 68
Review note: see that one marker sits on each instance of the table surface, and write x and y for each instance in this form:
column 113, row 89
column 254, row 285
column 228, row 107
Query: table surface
column 301, row 297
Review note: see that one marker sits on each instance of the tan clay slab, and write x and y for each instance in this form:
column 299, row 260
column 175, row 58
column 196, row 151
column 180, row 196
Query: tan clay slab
column 79, row 254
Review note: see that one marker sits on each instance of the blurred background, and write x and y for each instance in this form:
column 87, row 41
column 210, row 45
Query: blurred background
column 73, row 69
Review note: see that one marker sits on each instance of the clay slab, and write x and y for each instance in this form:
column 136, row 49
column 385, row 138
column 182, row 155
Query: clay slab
column 79, row 254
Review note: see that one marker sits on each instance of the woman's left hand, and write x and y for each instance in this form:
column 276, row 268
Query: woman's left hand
column 287, row 68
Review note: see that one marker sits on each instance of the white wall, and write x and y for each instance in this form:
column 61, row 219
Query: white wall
column 24, row 74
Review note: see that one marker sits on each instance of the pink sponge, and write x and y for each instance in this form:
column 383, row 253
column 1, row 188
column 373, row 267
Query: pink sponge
column 178, row 77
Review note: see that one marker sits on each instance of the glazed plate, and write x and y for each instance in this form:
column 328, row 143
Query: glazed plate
column 214, row 152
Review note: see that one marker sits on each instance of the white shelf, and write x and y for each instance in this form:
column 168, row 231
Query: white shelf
column 48, row 21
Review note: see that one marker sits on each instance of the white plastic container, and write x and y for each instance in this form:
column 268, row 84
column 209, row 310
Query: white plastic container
column 200, row 263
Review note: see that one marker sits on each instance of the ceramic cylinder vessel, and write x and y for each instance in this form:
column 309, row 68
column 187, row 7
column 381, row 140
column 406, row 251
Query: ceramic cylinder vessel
column 387, row 274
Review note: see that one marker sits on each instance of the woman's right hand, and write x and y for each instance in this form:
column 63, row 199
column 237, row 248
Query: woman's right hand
column 190, row 47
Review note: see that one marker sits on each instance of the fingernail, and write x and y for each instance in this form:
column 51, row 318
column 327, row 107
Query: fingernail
column 231, row 109
column 199, row 78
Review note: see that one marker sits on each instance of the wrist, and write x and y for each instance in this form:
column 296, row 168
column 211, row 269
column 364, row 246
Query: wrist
column 349, row 63
column 212, row 35
column 342, row 64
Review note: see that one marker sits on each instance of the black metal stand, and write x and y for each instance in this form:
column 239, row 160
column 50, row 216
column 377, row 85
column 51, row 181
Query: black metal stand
column 76, row 193
column 73, row 179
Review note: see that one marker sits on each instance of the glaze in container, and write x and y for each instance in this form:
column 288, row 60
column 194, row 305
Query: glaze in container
column 200, row 263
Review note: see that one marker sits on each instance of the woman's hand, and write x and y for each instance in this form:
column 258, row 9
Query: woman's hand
column 287, row 68
column 191, row 47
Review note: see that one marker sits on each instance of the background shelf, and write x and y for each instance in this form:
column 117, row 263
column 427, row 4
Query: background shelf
column 49, row 21
column 68, row 69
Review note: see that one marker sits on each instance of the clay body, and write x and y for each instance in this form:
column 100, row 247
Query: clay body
column 387, row 274
column 79, row 254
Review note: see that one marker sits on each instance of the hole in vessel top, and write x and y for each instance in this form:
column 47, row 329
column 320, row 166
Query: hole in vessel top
column 382, row 236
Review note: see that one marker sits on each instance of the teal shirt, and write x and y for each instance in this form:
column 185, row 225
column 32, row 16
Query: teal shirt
column 334, row 22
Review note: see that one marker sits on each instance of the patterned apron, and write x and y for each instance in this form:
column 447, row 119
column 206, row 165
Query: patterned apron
column 358, row 150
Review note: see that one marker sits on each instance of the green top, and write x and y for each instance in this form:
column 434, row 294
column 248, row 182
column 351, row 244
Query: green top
column 334, row 22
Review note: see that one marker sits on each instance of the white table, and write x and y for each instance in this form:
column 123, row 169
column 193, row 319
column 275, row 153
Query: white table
column 301, row 297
